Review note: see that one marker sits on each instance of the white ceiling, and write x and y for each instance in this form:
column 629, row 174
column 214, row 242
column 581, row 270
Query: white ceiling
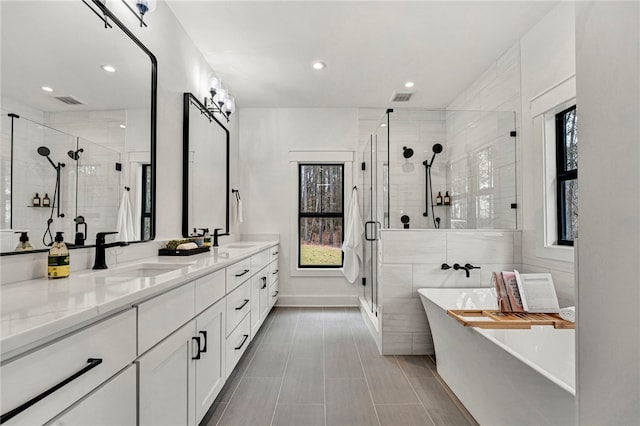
column 263, row 50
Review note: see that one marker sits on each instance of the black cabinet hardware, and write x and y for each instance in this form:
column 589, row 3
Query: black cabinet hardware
column 275, row 294
column 91, row 364
column 204, row 340
column 197, row 355
column 244, row 339
column 243, row 305
column 242, row 273
column 275, row 272
column 264, row 283
column 275, row 253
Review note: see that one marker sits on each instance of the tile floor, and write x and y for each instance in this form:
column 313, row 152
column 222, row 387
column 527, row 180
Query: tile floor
column 320, row 366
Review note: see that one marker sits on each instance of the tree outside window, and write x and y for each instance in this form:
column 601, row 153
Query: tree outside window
column 567, row 175
column 320, row 215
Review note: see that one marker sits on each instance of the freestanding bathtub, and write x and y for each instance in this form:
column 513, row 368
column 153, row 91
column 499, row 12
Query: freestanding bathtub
column 503, row 377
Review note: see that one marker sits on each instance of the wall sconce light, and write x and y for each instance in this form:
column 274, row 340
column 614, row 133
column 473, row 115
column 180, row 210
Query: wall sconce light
column 141, row 8
column 219, row 101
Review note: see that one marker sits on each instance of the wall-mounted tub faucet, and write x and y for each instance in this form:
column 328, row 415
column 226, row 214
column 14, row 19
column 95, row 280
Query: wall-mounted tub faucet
column 467, row 267
column 444, row 267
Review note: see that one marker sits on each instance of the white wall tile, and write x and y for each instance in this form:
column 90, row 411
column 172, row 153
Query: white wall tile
column 396, row 281
column 480, row 247
column 400, row 246
column 422, row 344
column 397, row 344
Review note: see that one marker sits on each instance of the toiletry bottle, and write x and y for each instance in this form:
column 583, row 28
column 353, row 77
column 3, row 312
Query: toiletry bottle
column 36, row 200
column 447, row 199
column 23, row 245
column 439, row 199
column 58, row 259
column 206, row 242
column 197, row 238
column 46, row 201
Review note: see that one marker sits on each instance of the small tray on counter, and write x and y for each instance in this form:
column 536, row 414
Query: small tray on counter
column 509, row 320
column 177, row 252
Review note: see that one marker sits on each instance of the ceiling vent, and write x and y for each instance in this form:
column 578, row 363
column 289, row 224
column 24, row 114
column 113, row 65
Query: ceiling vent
column 401, row 96
column 69, row 100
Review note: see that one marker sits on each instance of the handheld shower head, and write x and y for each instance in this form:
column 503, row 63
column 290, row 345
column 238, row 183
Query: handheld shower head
column 437, row 148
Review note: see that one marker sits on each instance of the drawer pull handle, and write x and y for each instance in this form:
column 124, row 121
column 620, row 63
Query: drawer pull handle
column 243, row 304
column 275, row 294
column 204, row 339
column 275, row 253
column 264, row 283
column 242, row 273
column 244, row 339
column 91, row 364
column 275, row 272
column 197, row 355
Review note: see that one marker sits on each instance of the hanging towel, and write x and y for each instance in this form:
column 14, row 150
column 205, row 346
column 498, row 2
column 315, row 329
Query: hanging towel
column 352, row 245
column 239, row 213
column 125, row 219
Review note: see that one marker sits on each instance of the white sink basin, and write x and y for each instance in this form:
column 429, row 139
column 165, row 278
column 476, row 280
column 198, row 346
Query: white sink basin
column 240, row 245
column 142, row 270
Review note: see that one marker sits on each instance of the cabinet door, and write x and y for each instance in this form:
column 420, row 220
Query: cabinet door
column 259, row 289
column 166, row 380
column 112, row 404
column 210, row 368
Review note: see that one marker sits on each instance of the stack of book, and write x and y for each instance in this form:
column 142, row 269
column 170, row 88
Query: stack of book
column 525, row 292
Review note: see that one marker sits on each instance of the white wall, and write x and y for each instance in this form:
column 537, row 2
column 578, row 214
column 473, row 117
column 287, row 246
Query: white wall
column 608, row 91
column 267, row 135
column 542, row 58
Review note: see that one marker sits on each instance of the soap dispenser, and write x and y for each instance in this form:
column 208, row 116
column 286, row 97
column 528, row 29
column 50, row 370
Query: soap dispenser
column 23, row 245
column 58, row 262
column 206, row 242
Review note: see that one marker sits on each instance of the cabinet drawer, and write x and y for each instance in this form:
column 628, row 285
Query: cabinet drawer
column 260, row 260
column 162, row 315
column 238, row 305
column 238, row 273
column 274, row 291
column 274, row 272
column 274, row 253
column 112, row 341
column 237, row 343
column 210, row 289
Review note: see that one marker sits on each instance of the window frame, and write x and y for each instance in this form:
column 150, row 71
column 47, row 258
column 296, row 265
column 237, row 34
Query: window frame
column 304, row 215
column 562, row 175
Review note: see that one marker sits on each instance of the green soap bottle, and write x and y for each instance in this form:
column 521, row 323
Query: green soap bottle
column 58, row 265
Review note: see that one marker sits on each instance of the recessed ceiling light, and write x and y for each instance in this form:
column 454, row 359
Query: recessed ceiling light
column 108, row 68
column 318, row 65
column 47, row 89
column 122, row 126
column 409, row 84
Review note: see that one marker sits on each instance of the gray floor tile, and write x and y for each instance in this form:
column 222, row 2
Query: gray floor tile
column 341, row 360
column 253, row 403
column 349, row 403
column 403, row 415
column 313, row 315
column 303, row 382
column 386, row 381
column 269, row 361
column 299, row 415
column 307, row 341
column 416, row 365
column 435, row 398
column 213, row 415
column 230, row 386
column 280, row 332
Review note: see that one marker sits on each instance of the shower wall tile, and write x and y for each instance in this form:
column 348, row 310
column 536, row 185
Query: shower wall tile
column 398, row 281
column 480, row 247
column 431, row 275
column 412, row 247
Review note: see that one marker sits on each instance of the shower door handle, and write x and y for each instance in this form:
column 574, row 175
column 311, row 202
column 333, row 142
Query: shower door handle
column 376, row 225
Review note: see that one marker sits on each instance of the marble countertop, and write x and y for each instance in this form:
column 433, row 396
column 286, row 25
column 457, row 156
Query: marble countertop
column 40, row 310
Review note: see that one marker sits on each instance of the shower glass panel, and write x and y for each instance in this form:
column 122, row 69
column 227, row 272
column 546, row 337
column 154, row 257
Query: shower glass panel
column 467, row 159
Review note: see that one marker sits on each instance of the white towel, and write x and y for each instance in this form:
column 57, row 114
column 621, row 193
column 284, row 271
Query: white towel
column 568, row 313
column 352, row 245
column 125, row 219
column 239, row 213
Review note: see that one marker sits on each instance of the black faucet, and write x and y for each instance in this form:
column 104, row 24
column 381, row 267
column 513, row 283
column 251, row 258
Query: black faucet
column 215, row 236
column 100, row 261
column 467, row 267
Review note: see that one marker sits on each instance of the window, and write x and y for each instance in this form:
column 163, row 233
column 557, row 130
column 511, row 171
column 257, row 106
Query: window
column 567, row 175
column 146, row 202
column 320, row 215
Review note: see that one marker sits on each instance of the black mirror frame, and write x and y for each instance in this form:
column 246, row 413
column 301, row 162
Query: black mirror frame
column 107, row 15
column 188, row 100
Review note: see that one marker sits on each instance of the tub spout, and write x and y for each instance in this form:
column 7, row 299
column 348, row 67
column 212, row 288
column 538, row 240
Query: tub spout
column 457, row 267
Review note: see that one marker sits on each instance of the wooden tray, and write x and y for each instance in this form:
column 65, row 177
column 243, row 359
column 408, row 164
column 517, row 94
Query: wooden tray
column 175, row 252
column 496, row 319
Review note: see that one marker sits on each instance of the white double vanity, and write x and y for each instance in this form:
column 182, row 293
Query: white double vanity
column 150, row 342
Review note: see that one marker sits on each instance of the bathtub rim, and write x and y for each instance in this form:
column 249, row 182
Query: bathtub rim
column 511, row 351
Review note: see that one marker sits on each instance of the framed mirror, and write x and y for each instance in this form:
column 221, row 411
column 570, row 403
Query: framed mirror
column 78, row 125
column 205, row 173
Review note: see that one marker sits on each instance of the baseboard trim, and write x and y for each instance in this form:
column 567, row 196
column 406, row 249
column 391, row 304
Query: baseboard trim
column 317, row 300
